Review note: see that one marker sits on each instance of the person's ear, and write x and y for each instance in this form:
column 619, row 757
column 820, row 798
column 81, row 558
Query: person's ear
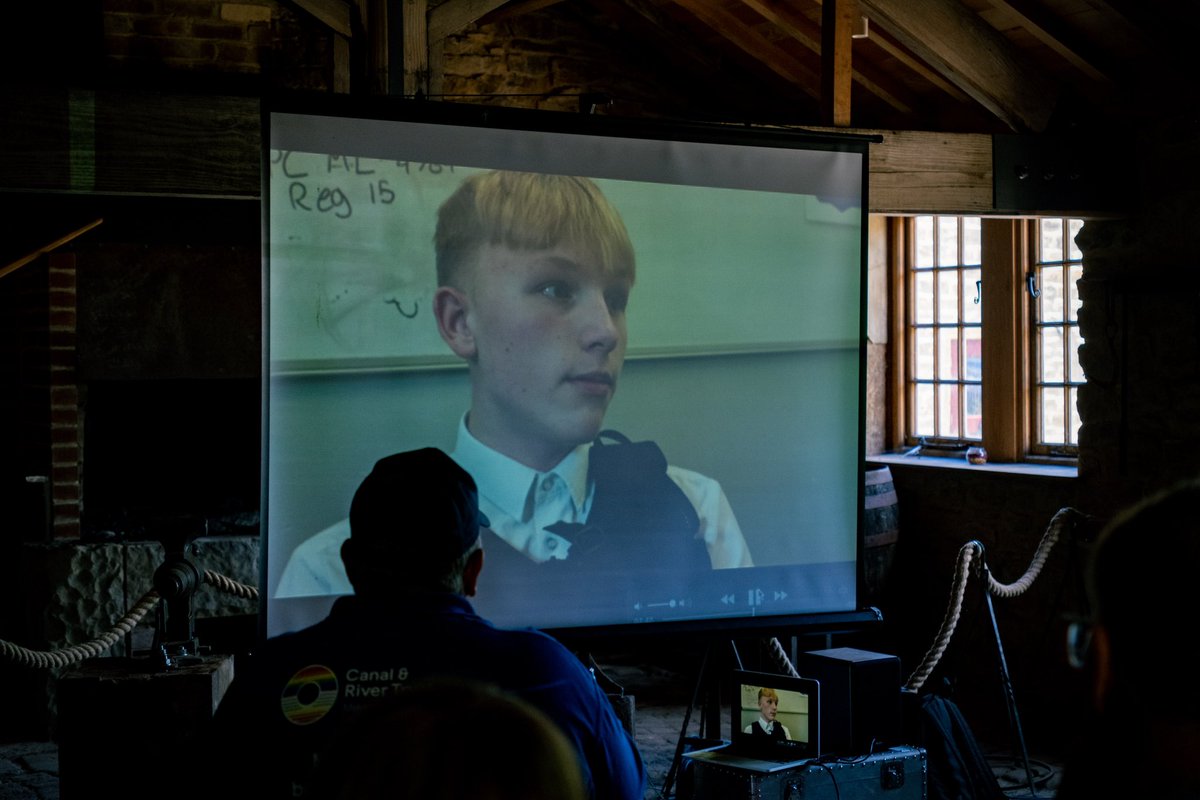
column 1102, row 666
column 471, row 572
column 450, row 307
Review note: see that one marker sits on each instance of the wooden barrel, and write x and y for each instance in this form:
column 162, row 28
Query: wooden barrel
column 881, row 531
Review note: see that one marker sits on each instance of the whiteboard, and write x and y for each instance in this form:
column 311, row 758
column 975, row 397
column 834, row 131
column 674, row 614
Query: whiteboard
column 351, row 269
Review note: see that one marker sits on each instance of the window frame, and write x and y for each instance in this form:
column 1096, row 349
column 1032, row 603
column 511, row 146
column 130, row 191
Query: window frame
column 1009, row 408
column 1038, row 450
column 936, row 325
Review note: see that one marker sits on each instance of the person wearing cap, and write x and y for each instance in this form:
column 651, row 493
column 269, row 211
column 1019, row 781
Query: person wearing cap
column 414, row 557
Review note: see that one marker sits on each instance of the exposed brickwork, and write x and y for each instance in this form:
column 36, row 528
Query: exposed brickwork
column 212, row 38
column 546, row 59
column 64, row 398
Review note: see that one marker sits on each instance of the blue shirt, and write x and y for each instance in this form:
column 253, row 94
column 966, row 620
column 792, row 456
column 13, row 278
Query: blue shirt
column 300, row 685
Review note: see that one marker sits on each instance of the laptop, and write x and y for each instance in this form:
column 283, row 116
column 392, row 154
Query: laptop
column 775, row 719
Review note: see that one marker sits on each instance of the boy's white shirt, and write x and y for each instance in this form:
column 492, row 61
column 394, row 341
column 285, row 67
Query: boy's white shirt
column 520, row 502
column 765, row 724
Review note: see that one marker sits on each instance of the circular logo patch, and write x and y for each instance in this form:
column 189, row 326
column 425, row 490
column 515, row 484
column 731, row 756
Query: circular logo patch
column 309, row 695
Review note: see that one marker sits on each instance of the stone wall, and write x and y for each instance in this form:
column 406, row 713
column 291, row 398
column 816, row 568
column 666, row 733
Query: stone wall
column 1140, row 319
column 73, row 593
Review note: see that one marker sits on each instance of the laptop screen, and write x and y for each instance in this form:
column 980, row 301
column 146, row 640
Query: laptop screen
column 775, row 716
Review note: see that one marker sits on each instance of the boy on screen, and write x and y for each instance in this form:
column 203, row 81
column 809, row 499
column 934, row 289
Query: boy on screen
column 766, row 725
column 534, row 274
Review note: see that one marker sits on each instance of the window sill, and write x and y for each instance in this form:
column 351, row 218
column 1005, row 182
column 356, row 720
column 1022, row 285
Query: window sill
column 941, row 462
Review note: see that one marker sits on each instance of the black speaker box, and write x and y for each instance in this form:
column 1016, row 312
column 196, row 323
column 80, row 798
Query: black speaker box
column 860, row 698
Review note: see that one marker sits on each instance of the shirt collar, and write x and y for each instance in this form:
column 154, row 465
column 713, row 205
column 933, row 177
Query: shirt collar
column 505, row 482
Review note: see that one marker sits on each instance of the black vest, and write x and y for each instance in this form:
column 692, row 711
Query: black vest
column 639, row 518
column 757, row 731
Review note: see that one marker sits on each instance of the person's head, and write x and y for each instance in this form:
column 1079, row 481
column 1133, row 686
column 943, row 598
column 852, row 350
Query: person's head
column 768, row 703
column 450, row 740
column 1142, row 590
column 534, row 273
column 414, row 526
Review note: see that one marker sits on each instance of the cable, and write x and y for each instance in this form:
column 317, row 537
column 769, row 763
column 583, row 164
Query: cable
column 51, row 659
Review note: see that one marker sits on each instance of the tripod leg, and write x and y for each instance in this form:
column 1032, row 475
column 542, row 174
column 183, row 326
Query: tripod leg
column 687, row 717
column 1009, row 697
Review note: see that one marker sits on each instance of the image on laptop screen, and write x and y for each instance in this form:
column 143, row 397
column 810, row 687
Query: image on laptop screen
column 775, row 716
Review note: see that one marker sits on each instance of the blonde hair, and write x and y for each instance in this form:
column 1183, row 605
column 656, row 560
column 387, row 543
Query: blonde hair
column 767, row 691
column 529, row 211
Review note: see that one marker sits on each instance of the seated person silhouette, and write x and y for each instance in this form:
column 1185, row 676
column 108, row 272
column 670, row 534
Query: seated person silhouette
column 411, row 746
column 1143, row 734
column 766, row 725
column 534, row 274
column 414, row 557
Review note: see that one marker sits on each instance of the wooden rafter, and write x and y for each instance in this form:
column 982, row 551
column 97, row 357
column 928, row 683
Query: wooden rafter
column 807, row 33
column 334, row 13
column 902, row 54
column 48, row 248
column 837, row 26
column 649, row 23
column 454, row 15
column 971, row 54
column 1058, row 37
column 755, row 44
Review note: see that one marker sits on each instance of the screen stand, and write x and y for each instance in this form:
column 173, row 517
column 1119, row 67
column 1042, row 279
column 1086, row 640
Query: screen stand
column 1010, row 699
column 707, row 684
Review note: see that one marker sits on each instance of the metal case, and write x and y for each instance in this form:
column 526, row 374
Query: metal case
column 898, row 773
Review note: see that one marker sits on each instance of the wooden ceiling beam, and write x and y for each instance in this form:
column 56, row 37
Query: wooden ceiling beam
column 454, row 15
column 887, row 44
column 415, row 49
column 837, row 60
column 807, row 33
column 649, row 24
column 902, row 54
column 334, row 13
column 755, row 44
column 971, row 54
column 209, row 145
column 1162, row 31
column 1051, row 32
column 919, row 172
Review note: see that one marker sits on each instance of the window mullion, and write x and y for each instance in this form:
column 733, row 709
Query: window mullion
column 899, row 310
column 1005, row 322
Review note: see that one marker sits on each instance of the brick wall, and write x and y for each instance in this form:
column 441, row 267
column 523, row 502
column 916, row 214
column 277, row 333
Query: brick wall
column 547, row 59
column 65, row 452
column 220, row 40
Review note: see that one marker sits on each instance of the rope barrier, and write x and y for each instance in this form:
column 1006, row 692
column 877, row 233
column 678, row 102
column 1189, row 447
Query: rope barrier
column 230, row 586
column 781, row 658
column 63, row 657
column 967, row 554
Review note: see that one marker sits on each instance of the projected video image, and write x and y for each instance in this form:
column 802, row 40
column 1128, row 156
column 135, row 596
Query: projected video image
column 768, row 713
column 646, row 352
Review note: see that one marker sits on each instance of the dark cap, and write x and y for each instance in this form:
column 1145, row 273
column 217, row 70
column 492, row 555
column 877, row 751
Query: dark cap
column 421, row 502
